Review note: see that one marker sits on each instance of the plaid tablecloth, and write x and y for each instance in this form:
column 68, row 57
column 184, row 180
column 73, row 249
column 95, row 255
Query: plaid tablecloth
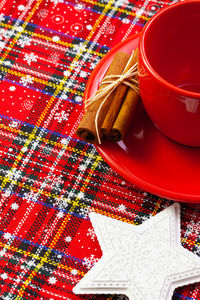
column 49, row 178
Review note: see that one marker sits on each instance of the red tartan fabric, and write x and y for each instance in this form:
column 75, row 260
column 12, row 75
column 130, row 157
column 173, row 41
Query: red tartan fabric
column 49, row 179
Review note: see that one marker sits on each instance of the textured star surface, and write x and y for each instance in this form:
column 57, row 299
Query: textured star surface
column 143, row 262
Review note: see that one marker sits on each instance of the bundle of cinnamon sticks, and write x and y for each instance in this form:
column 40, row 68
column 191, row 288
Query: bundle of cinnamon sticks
column 116, row 113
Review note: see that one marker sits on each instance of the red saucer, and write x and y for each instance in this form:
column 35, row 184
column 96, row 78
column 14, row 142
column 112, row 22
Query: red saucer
column 146, row 157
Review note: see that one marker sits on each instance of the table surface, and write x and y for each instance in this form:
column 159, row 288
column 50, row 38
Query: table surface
column 49, row 179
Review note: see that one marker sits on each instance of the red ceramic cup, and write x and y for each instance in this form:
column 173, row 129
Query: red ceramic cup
column 169, row 71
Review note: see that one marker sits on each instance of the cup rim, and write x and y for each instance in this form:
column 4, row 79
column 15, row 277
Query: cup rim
column 146, row 61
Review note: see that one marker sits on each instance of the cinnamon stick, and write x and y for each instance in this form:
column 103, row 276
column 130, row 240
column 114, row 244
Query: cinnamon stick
column 86, row 129
column 125, row 116
column 118, row 99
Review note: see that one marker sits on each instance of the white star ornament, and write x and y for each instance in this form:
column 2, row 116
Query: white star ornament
column 144, row 262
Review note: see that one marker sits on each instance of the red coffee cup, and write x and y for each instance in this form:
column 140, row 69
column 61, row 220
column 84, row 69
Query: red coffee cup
column 169, row 71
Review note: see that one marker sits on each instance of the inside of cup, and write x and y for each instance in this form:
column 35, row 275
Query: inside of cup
column 172, row 45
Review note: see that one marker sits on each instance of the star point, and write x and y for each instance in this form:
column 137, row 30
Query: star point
column 144, row 261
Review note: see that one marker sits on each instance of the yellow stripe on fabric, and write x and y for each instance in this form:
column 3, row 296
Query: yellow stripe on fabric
column 38, row 80
column 50, row 39
column 64, row 267
column 3, row 57
column 57, row 236
column 60, row 87
column 53, row 143
column 190, row 242
column 157, row 206
column 95, row 164
column 45, row 193
column 112, row 215
column 1, row 60
column 35, row 256
column 36, row 6
column 117, row 9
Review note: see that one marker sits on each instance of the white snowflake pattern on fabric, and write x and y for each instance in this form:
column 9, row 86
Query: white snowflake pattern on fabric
column 125, row 21
column 65, row 141
column 60, row 214
column 55, row 38
column 18, row 28
column 78, row 98
column 54, row 57
column 27, row 104
column 12, row 88
column 139, row 12
column 7, row 236
column 6, row 34
column 42, row 13
column 61, row 116
column 91, row 234
column 14, row 124
column 26, row 80
column 56, row 1
column 31, row 196
column 81, row 195
column 55, row 181
column 79, row 6
column 63, row 96
column 24, row 41
column 21, row 7
column 1, row 17
column 68, row 239
column 74, row 272
column 52, row 280
column 83, row 74
column 66, row 73
column 80, row 46
column 82, row 167
column 84, row 211
column 193, row 228
column 2, row 252
column 7, row 63
column 7, row 193
column 31, row 263
column 2, row 44
column 122, row 208
column 76, row 64
column 89, row 27
column 110, row 29
column 90, row 261
column 14, row 174
column 121, row 3
column 4, row 276
column 62, row 202
column 30, row 57
column 93, row 65
column 14, row 206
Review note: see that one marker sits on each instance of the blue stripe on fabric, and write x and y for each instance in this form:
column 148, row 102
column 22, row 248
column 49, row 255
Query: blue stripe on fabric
column 46, row 205
column 41, row 91
column 57, row 32
column 106, row 14
column 44, row 247
column 43, row 129
column 184, row 297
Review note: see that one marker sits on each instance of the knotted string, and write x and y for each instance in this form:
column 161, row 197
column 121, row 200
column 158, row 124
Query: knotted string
column 113, row 81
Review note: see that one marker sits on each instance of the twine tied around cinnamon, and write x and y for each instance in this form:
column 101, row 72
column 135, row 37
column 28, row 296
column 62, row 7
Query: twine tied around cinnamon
column 128, row 77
